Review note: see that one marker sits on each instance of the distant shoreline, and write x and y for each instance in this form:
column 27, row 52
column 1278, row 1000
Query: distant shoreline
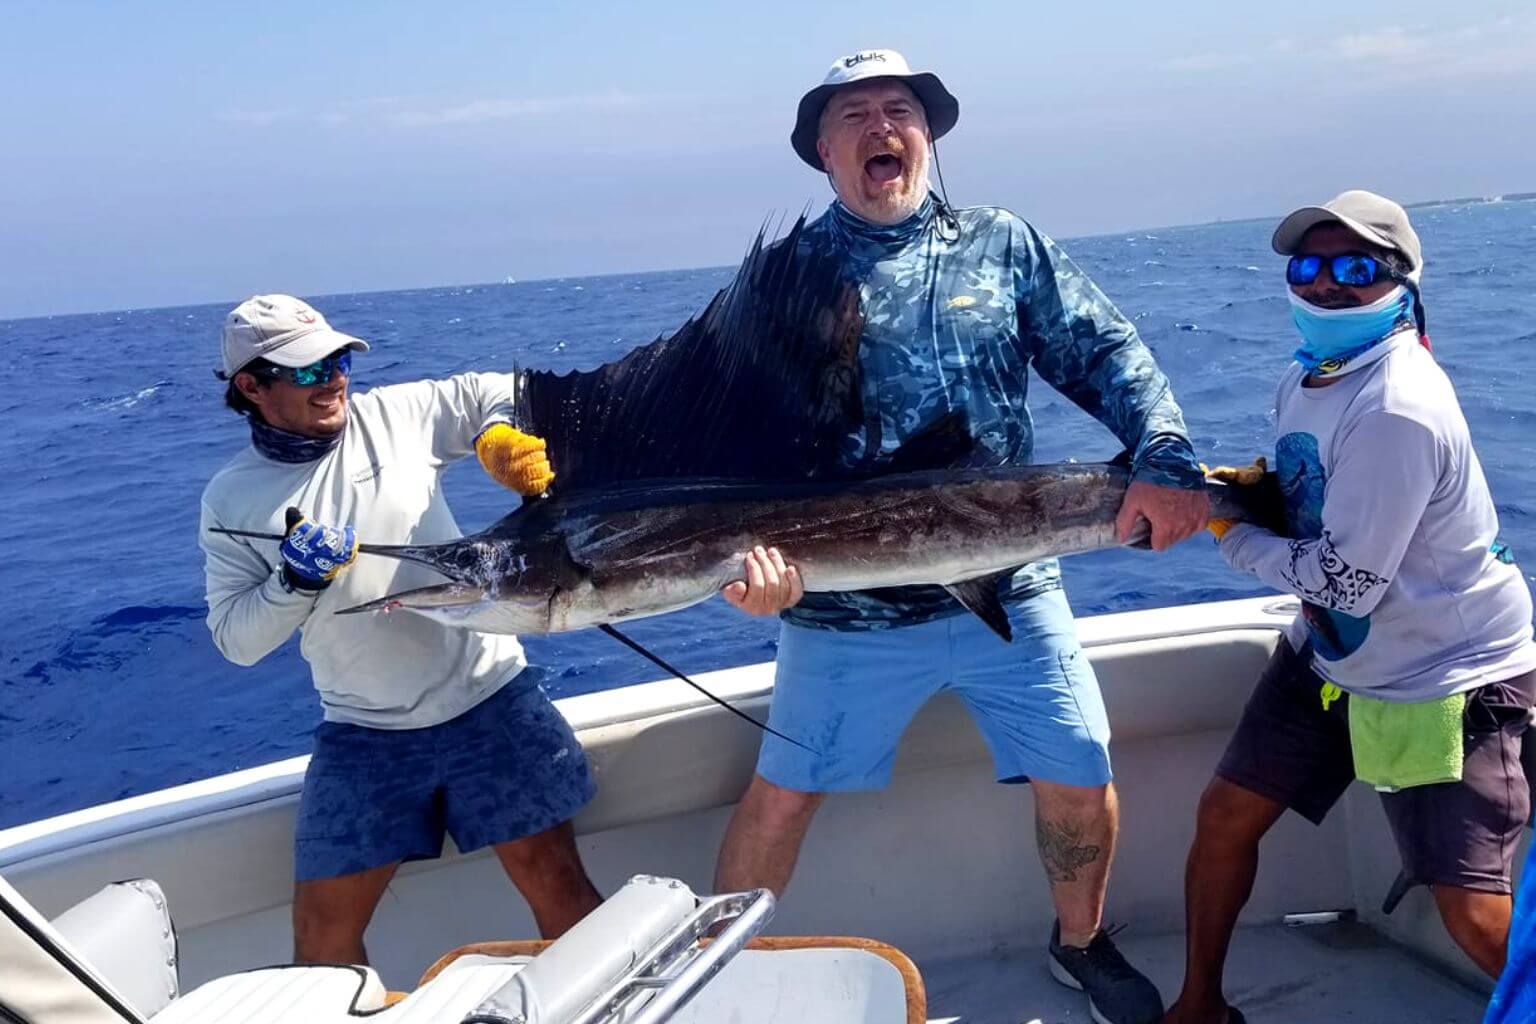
column 1508, row 197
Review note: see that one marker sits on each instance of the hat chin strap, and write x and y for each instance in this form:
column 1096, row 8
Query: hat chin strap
column 949, row 224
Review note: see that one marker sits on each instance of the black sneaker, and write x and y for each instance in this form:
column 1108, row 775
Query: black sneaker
column 1117, row 992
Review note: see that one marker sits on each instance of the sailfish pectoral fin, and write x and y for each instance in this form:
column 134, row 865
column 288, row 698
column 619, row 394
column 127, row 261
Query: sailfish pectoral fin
column 980, row 598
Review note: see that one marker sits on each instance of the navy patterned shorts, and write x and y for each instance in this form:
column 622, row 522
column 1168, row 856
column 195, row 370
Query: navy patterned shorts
column 507, row 768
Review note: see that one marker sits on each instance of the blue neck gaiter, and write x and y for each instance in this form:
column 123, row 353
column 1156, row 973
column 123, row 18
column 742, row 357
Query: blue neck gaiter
column 1331, row 338
column 285, row 446
column 867, row 240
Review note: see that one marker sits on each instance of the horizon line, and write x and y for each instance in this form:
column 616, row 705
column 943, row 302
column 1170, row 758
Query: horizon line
column 1419, row 205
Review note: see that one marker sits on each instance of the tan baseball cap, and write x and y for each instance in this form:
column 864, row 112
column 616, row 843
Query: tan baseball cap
column 280, row 329
column 940, row 107
column 1374, row 218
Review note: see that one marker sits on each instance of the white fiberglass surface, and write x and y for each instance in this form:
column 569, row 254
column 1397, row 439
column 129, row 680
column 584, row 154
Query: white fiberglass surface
column 1275, row 975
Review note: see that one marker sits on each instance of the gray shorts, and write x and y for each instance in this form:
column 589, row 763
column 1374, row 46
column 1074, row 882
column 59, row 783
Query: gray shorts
column 1462, row 833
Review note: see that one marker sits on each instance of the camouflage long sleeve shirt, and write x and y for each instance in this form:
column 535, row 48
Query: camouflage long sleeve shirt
column 954, row 324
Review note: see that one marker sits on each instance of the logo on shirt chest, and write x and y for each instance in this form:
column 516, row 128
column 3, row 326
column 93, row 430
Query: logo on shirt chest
column 362, row 476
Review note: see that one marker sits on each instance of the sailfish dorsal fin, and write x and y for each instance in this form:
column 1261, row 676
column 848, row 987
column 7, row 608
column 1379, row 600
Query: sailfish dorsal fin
column 761, row 385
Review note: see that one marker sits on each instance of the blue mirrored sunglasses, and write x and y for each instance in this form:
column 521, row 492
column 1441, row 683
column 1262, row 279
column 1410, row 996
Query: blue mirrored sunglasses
column 1355, row 269
column 316, row 373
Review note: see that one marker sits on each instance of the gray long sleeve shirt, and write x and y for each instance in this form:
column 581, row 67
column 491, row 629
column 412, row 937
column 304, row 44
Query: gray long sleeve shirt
column 385, row 477
column 1406, row 594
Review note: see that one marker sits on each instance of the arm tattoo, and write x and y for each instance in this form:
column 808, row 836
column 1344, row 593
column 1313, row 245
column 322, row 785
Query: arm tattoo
column 1062, row 849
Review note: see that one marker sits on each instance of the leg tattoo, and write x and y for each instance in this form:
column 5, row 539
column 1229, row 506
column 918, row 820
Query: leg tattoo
column 1062, row 849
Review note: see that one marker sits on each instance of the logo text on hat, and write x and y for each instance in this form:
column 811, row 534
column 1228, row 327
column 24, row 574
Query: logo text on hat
column 304, row 317
column 860, row 58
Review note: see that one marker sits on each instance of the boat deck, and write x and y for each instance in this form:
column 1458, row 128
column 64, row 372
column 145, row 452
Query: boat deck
column 1276, row 975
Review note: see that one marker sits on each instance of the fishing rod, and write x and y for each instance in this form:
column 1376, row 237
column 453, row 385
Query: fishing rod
column 665, row 667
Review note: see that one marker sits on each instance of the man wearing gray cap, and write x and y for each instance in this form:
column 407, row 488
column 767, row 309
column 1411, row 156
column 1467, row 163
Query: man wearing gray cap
column 958, row 305
column 1411, row 665
column 428, row 729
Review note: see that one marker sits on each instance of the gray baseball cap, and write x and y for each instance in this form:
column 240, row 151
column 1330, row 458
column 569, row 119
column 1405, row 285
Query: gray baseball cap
column 941, row 108
column 280, row 329
column 1374, row 218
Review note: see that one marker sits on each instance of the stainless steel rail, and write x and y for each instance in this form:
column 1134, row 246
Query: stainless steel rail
column 668, row 974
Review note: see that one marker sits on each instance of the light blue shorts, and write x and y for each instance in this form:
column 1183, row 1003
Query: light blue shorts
column 850, row 695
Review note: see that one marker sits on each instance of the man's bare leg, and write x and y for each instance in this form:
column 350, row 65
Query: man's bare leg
column 1075, row 829
column 1479, row 922
column 1218, row 879
column 331, row 914
column 763, row 839
column 546, row 868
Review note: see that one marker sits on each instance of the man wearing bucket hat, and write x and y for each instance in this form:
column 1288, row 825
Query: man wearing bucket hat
column 1411, row 665
column 958, row 304
column 427, row 729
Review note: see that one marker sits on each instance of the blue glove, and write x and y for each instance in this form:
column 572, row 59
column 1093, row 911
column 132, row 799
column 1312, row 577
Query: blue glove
column 314, row 553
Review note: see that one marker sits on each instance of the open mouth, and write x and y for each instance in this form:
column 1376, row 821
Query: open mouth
column 883, row 168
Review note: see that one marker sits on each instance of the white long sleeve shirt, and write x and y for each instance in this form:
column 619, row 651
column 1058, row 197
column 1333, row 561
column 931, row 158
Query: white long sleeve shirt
column 385, row 477
column 1404, row 597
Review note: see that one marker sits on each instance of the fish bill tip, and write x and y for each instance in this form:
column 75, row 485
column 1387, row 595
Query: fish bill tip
column 383, row 604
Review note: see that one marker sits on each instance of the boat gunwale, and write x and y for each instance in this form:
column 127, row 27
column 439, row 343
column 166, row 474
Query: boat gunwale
column 633, row 705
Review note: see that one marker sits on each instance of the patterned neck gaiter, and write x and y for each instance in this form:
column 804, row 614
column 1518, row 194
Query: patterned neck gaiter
column 285, row 446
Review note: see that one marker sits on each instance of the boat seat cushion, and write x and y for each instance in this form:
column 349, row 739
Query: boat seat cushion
column 849, row 984
column 309, row 994
column 43, row 977
column 825, row 979
column 125, row 933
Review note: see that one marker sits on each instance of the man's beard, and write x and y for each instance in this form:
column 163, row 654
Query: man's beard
column 894, row 204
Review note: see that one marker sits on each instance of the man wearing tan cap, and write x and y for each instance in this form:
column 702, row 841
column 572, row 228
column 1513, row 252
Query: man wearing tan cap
column 958, row 306
column 1411, row 665
column 428, row 729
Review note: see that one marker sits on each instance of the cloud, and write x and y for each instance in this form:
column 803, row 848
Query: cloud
column 1505, row 46
column 1390, row 44
column 1498, row 48
column 479, row 111
column 408, row 112
column 255, row 118
column 1205, row 62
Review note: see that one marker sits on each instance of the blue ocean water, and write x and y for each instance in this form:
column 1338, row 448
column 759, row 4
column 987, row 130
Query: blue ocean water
column 110, row 686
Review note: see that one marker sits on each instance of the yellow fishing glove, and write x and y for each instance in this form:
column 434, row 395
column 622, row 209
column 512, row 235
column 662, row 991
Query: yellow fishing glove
column 516, row 460
column 1242, row 476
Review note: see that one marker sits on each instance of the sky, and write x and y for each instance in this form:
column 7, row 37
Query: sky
column 171, row 153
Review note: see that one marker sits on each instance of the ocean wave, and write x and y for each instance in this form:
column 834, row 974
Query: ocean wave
column 125, row 401
column 111, row 640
